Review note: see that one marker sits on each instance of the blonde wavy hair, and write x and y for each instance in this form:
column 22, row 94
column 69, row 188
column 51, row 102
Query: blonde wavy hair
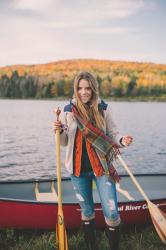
column 91, row 111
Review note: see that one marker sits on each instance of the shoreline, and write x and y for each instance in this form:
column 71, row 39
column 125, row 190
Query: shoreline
column 110, row 99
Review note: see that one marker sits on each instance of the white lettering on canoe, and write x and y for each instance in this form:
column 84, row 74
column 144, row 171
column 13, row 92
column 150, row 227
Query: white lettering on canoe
column 130, row 207
column 144, row 206
column 134, row 208
column 120, row 208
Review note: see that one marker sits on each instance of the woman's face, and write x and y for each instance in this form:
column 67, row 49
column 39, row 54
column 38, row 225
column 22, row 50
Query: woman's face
column 84, row 91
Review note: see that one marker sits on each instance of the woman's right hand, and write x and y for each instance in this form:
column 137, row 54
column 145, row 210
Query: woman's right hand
column 57, row 125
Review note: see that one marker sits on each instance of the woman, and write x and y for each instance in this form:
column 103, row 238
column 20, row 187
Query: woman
column 92, row 140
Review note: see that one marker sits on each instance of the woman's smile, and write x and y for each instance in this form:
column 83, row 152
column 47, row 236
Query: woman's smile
column 84, row 91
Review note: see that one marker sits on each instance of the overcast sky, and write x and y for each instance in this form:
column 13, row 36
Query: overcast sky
column 42, row 31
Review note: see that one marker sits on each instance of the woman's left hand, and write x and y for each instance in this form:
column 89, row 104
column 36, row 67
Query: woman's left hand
column 127, row 140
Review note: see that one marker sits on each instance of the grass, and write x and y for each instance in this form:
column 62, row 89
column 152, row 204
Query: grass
column 132, row 238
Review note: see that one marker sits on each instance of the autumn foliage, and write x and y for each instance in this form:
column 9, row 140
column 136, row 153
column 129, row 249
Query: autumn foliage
column 115, row 78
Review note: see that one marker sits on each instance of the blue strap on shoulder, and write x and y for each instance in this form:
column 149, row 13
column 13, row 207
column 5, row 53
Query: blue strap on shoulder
column 103, row 105
column 68, row 107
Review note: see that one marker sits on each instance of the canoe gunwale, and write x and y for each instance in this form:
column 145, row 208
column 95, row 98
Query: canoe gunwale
column 72, row 204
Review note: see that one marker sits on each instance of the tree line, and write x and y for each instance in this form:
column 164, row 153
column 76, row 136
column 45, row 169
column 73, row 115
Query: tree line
column 115, row 85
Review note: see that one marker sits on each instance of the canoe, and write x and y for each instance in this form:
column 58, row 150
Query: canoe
column 33, row 203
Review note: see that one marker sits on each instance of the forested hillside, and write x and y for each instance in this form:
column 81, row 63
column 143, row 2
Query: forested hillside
column 116, row 79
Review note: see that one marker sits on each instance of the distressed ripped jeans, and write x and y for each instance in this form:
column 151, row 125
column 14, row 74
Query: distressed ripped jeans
column 107, row 193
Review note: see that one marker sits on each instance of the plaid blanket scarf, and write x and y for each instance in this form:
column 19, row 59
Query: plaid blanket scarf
column 105, row 149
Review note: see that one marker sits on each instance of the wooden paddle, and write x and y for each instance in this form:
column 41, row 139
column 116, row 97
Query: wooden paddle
column 61, row 235
column 158, row 217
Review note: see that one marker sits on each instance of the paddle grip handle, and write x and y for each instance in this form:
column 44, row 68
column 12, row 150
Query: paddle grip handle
column 58, row 113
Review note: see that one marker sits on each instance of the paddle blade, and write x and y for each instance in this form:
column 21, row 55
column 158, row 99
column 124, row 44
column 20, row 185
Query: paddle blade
column 159, row 220
column 61, row 237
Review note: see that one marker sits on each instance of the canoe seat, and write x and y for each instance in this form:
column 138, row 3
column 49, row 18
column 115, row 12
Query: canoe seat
column 52, row 196
column 124, row 192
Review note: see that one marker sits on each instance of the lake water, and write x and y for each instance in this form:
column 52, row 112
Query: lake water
column 27, row 142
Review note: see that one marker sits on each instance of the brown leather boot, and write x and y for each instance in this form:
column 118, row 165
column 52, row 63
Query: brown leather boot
column 113, row 235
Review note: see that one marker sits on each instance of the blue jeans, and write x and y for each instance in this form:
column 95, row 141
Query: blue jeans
column 107, row 193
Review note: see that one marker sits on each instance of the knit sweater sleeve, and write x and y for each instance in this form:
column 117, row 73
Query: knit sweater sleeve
column 63, row 134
